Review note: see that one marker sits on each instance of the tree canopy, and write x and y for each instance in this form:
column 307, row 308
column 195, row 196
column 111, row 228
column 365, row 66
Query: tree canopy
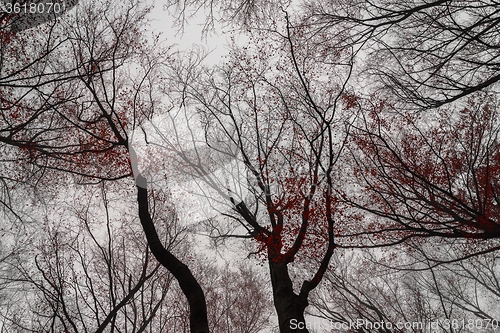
column 350, row 146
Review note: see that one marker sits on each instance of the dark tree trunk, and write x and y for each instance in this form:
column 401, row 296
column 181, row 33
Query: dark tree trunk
column 189, row 286
column 289, row 306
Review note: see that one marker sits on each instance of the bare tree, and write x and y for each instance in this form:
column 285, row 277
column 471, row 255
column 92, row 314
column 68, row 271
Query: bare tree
column 94, row 88
column 83, row 280
column 427, row 53
column 277, row 108
column 242, row 14
column 400, row 290
column 241, row 302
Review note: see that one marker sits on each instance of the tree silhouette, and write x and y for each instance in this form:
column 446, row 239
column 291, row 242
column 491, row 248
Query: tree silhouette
column 427, row 53
column 428, row 176
column 87, row 99
column 268, row 108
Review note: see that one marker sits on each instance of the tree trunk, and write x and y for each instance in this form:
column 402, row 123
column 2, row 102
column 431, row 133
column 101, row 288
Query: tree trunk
column 189, row 286
column 289, row 306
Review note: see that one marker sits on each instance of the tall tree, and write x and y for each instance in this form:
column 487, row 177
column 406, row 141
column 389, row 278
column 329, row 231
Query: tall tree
column 276, row 106
column 89, row 90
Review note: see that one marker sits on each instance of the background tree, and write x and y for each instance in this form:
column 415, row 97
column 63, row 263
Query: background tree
column 85, row 273
column 399, row 288
column 428, row 175
column 238, row 15
column 237, row 298
column 428, row 53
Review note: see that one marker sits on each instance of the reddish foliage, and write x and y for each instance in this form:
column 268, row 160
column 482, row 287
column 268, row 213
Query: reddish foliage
column 430, row 175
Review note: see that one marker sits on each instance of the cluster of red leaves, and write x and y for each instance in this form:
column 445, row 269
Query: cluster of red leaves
column 431, row 174
column 350, row 100
column 298, row 222
column 5, row 36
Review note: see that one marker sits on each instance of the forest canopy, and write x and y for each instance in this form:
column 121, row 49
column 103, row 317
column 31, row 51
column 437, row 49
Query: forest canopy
column 336, row 171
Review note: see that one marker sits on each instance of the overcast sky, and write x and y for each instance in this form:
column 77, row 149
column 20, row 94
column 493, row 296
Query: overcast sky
column 163, row 22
